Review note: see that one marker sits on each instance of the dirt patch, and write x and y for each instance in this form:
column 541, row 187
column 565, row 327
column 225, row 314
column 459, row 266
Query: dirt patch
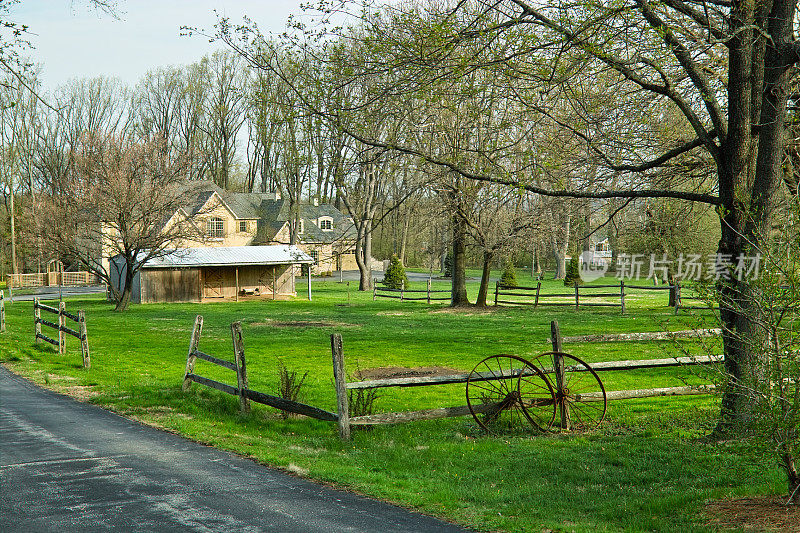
column 467, row 311
column 302, row 324
column 388, row 372
column 753, row 515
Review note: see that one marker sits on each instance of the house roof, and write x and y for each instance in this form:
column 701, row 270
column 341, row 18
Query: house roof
column 271, row 213
column 278, row 254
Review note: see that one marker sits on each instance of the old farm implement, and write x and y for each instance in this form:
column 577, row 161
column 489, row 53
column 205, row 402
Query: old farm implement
column 551, row 391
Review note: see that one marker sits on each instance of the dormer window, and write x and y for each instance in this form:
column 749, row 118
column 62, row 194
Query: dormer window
column 302, row 226
column 326, row 224
column 216, row 228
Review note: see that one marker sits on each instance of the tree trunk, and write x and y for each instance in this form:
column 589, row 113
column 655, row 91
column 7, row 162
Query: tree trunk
column 404, row 238
column 483, row 291
column 459, row 283
column 14, row 267
column 125, row 297
column 560, row 257
column 560, row 249
column 536, row 269
column 362, row 259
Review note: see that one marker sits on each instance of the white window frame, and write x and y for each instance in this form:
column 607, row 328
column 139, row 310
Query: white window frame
column 323, row 220
column 216, row 228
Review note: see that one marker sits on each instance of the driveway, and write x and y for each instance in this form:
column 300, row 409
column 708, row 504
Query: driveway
column 51, row 293
column 67, row 466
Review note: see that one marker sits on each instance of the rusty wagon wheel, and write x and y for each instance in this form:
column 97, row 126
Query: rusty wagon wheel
column 507, row 392
column 581, row 400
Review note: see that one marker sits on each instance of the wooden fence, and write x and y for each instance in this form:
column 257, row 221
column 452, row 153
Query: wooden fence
column 61, row 328
column 342, row 387
column 403, row 293
column 587, row 296
column 49, row 279
column 557, row 343
column 693, row 300
column 239, row 366
column 581, row 295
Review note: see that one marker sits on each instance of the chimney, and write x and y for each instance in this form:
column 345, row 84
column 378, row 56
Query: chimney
column 316, row 201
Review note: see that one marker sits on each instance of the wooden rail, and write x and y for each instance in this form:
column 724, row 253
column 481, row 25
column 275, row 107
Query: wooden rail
column 61, row 328
column 577, row 296
column 401, row 293
column 239, row 366
column 533, row 296
column 50, row 279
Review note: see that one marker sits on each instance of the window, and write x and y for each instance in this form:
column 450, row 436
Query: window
column 325, row 224
column 302, row 226
column 242, row 226
column 315, row 256
column 216, row 228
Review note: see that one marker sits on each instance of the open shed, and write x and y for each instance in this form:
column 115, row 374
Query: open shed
column 215, row 274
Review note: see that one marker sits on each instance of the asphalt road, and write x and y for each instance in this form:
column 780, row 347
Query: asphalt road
column 51, row 293
column 67, row 466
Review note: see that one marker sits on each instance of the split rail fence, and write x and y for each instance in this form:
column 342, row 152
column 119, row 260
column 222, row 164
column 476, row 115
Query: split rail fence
column 239, row 367
column 557, row 342
column 402, row 294
column 63, row 315
column 343, row 387
column 685, row 297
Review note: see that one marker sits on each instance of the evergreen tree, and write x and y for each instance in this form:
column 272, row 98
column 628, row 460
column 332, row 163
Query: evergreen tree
column 573, row 276
column 509, row 278
column 395, row 276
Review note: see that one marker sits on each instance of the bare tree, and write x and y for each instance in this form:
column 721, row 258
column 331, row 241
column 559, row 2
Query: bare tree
column 121, row 200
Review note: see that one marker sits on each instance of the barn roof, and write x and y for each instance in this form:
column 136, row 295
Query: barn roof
column 278, row 254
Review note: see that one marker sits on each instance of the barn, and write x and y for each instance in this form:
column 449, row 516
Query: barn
column 214, row 274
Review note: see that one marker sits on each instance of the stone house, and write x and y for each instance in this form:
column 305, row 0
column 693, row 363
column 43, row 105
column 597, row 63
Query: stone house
column 231, row 219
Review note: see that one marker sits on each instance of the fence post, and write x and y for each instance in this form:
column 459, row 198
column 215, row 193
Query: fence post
column 558, row 369
column 241, row 363
column 340, row 380
column 496, row 291
column 402, row 290
column 374, row 290
column 429, row 291
column 191, row 358
column 2, row 312
column 622, row 295
column 538, row 288
column 37, row 320
column 577, row 303
column 62, row 340
column 10, row 285
column 677, row 296
column 87, row 363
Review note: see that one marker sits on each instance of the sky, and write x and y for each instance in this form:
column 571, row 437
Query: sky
column 73, row 40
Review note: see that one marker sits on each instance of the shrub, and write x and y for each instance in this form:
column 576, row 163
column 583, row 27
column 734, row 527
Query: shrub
column 573, row 276
column 509, row 277
column 290, row 386
column 448, row 265
column 395, row 276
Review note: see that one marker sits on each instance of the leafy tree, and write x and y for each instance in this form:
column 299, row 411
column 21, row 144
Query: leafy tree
column 395, row 275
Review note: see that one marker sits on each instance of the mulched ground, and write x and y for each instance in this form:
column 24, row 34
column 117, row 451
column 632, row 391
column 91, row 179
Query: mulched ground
column 388, row 372
column 765, row 514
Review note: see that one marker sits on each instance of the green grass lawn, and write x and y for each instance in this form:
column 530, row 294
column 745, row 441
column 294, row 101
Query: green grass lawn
column 647, row 469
